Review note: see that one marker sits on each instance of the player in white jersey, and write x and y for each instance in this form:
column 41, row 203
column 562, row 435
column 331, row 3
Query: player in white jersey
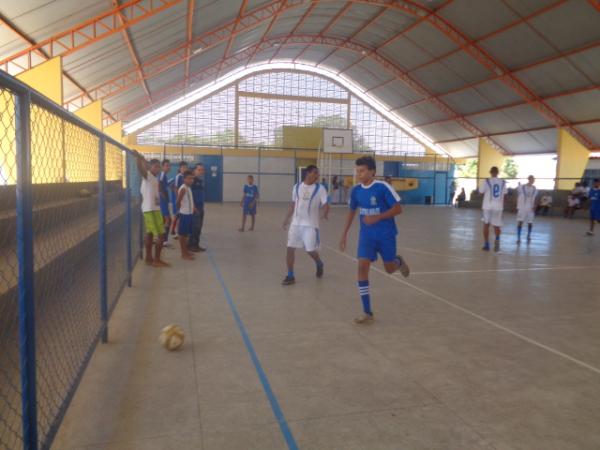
column 308, row 197
column 527, row 194
column 493, row 190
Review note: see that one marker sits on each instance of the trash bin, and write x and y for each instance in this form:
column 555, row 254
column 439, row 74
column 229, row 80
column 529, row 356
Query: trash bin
column 428, row 199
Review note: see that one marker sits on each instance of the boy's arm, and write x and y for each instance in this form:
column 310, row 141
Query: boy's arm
column 140, row 161
column 288, row 215
column 326, row 211
column 349, row 220
column 180, row 195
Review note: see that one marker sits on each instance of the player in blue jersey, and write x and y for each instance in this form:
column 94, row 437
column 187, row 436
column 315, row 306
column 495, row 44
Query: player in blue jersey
column 248, row 202
column 378, row 204
column 594, row 197
column 163, row 185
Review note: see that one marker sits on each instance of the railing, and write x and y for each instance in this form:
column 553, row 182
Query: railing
column 69, row 219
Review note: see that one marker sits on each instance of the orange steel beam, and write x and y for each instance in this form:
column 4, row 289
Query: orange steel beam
column 177, row 55
column 370, row 22
column 393, row 38
column 496, row 32
column 335, row 19
column 214, row 69
column 40, row 52
column 268, row 30
column 595, row 4
column 305, row 16
column 134, row 57
column 189, row 37
column 512, row 105
column 507, row 77
column 87, row 33
column 212, row 38
column 237, row 22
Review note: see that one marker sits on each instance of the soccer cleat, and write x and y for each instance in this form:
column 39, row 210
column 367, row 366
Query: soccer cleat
column 403, row 267
column 497, row 246
column 365, row 319
column 486, row 247
column 288, row 280
column 590, row 233
column 320, row 270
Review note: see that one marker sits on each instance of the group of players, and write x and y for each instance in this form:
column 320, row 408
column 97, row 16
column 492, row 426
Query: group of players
column 376, row 202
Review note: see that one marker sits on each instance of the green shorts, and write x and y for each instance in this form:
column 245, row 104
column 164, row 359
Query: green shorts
column 154, row 223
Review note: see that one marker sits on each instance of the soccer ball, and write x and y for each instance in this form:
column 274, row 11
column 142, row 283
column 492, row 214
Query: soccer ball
column 171, row 337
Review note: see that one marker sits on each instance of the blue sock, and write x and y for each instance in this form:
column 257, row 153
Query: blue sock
column 290, row 274
column 319, row 264
column 365, row 296
column 519, row 229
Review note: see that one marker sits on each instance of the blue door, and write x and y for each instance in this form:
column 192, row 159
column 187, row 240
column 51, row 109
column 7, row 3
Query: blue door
column 213, row 180
column 440, row 195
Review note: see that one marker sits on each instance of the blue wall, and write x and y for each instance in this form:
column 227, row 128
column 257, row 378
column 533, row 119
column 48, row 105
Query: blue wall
column 431, row 183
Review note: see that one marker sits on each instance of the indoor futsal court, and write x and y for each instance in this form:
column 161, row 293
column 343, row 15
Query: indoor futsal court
column 300, row 225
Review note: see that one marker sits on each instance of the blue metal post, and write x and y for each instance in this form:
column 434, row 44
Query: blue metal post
column 26, row 272
column 102, row 237
column 128, row 217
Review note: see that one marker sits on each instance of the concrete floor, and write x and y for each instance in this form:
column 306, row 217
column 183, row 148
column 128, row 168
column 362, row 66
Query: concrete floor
column 475, row 351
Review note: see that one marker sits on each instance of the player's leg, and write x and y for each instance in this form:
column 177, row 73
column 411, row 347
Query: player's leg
column 592, row 223
column 243, row 227
column 497, row 232
column 392, row 262
column 148, row 244
column 252, row 221
column 160, row 240
column 486, row 236
column 312, row 241
column 364, row 265
column 290, row 258
column 519, row 225
column 530, row 225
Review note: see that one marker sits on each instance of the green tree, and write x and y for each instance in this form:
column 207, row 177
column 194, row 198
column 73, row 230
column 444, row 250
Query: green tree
column 510, row 169
column 467, row 170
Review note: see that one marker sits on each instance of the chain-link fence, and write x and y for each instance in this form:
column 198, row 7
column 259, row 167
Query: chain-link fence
column 69, row 227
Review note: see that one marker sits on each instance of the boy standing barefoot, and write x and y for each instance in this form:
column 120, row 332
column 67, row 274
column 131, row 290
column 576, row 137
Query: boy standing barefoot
column 185, row 205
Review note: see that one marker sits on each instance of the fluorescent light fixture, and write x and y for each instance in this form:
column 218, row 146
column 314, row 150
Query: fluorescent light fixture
column 198, row 50
column 236, row 74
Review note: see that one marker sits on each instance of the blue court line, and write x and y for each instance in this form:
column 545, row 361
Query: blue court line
column 277, row 412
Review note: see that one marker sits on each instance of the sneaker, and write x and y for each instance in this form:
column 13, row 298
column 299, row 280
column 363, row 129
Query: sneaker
column 404, row 269
column 519, row 241
column 365, row 319
column 497, row 246
column 486, row 247
column 320, row 270
column 528, row 239
column 288, row 280
column 589, row 233
column 201, row 249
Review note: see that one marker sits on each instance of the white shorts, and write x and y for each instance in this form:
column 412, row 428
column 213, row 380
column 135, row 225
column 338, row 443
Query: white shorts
column 304, row 237
column 492, row 217
column 525, row 215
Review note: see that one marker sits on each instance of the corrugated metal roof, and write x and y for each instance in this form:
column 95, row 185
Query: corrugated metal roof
column 413, row 43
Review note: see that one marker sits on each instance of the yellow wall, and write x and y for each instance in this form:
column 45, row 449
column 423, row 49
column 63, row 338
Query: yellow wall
column 91, row 114
column 46, row 78
column 302, row 137
column 8, row 149
column 488, row 157
column 115, row 131
column 572, row 160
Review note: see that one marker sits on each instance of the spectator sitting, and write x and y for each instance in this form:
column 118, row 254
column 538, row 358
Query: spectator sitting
column 544, row 205
column 575, row 200
column 462, row 197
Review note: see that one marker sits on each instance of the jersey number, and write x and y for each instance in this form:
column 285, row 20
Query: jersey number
column 496, row 191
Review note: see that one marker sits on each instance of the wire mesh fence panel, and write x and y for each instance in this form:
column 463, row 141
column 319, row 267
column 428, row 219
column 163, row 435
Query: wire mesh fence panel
column 116, row 224
column 135, row 200
column 10, row 388
column 66, row 260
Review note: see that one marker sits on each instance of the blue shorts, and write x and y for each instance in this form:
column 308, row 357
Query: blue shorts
column 595, row 214
column 164, row 208
column 249, row 211
column 369, row 247
column 185, row 224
